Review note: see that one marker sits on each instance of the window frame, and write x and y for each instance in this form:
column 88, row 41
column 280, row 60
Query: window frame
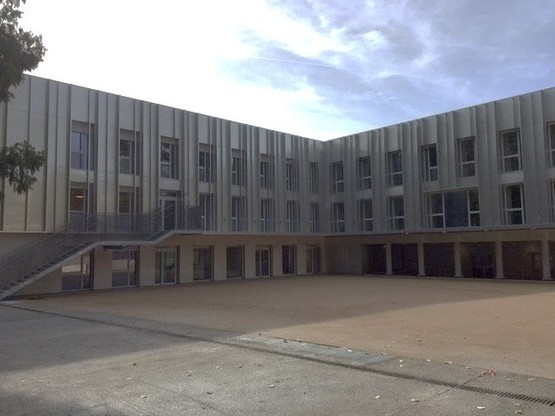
column 314, row 217
column 267, row 216
column 506, row 159
column 396, row 221
column 366, row 223
column 364, row 173
column 338, row 214
column 465, row 165
column 291, row 176
column 238, row 213
column 292, row 216
column 394, row 177
column 82, row 151
column 313, row 178
column 337, row 177
column 508, row 211
column 430, row 171
column 169, row 168
column 207, row 165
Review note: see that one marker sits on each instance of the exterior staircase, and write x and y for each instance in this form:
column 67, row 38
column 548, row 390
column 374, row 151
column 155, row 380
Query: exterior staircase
column 28, row 263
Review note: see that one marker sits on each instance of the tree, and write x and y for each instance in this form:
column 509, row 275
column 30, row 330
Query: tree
column 19, row 51
column 18, row 164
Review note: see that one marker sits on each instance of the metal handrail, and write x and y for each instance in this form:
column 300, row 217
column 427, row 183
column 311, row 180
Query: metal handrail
column 32, row 258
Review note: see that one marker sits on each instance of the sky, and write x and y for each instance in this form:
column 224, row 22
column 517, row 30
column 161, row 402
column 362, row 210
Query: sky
column 316, row 68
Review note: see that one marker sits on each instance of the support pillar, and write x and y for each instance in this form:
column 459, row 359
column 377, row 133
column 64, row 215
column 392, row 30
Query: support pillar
column 499, row 260
column 388, row 259
column 421, row 268
column 546, row 261
column 457, row 253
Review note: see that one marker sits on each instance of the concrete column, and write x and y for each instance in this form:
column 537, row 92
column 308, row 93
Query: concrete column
column 220, row 262
column 147, row 265
column 185, row 263
column 277, row 269
column 421, row 268
column 546, row 261
column 250, row 261
column 102, row 268
column 388, row 259
column 499, row 260
column 457, row 253
column 301, row 259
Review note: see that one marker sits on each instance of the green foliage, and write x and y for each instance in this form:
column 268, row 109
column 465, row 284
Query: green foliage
column 18, row 164
column 19, row 50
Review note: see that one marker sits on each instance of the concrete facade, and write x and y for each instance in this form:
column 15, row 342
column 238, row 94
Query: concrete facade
column 455, row 194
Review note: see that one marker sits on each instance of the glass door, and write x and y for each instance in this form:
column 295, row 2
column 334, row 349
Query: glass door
column 263, row 261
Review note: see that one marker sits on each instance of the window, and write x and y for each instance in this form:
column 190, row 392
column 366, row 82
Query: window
column 454, row 209
column 128, row 152
column 396, row 213
column 313, row 260
column 238, row 213
column 313, row 177
column 337, row 182
column 429, row 163
column 289, row 259
column 129, row 201
column 166, row 266
column 207, row 166
column 81, row 201
column 513, row 204
column 203, row 260
column 168, row 159
column 395, row 168
column 82, row 146
column 338, row 217
column 291, row 176
column 314, row 217
column 510, row 150
column 125, row 268
column 78, row 274
column 292, row 216
column 238, row 170
column 364, row 173
column 207, row 204
column 266, row 215
column 365, row 214
column 466, row 157
column 263, row 261
column 551, row 133
column 235, row 258
column 266, row 177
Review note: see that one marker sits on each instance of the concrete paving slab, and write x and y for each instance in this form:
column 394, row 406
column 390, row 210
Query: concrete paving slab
column 109, row 353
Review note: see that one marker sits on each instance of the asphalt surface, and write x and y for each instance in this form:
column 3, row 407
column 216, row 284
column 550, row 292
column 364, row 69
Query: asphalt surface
column 61, row 356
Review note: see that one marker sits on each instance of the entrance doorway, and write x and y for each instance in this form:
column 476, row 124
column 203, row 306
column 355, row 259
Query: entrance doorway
column 263, row 261
column 313, row 260
column 168, row 204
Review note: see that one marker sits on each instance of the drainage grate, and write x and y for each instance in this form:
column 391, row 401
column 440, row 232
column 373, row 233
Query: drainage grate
column 483, row 390
column 522, row 397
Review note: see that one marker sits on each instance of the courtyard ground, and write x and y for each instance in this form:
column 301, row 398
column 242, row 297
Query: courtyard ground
column 309, row 345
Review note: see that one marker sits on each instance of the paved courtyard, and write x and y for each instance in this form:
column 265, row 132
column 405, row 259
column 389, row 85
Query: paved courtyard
column 312, row 345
